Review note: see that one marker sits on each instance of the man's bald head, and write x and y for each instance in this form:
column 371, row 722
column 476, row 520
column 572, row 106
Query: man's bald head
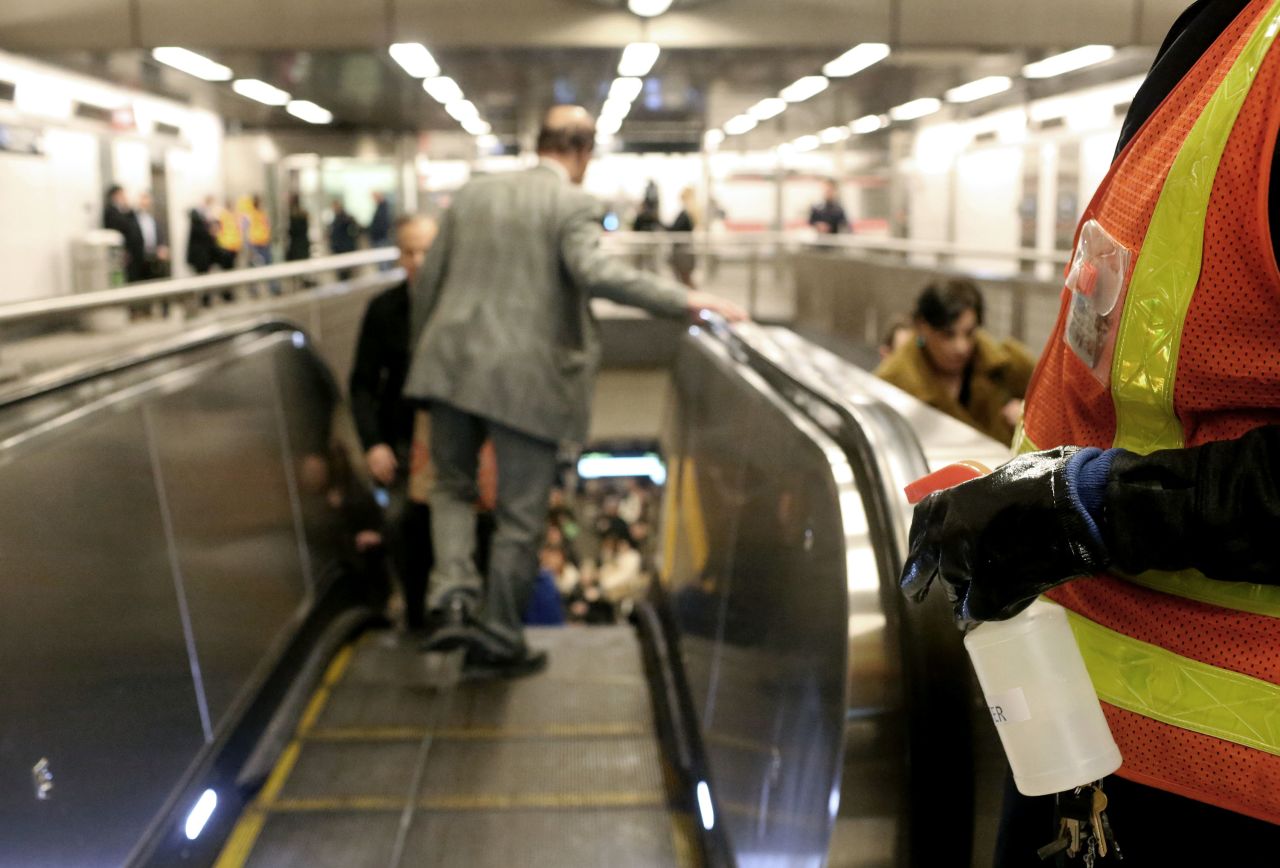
column 567, row 130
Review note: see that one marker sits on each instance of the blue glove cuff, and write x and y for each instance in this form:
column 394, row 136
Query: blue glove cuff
column 1086, row 473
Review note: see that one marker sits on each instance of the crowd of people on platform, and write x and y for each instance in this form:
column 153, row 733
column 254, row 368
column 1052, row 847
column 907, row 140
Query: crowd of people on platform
column 233, row 233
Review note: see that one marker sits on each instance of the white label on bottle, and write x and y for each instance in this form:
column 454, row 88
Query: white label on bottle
column 1009, row 707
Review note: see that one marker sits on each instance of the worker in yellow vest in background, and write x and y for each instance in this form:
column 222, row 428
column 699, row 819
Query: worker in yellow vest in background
column 258, row 228
column 229, row 238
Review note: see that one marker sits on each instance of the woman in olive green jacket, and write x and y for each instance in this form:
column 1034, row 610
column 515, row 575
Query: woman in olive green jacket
column 956, row 367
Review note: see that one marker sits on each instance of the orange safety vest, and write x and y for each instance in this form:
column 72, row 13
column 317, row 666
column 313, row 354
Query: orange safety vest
column 1169, row 336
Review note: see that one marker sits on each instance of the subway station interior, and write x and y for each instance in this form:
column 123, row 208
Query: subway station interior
column 215, row 650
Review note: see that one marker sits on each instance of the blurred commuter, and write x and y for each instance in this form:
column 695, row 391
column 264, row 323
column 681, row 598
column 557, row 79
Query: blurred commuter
column 343, row 233
column 230, row 237
column 956, row 367
column 895, row 336
column 647, row 219
column 299, row 243
column 380, row 224
column 202, row 246
column 828, row 216
column 117, row 215
column 1150, row 459
column 506, row 348
column 683, row 259
column 258, row 232
column 155, row 240
column 385, row 421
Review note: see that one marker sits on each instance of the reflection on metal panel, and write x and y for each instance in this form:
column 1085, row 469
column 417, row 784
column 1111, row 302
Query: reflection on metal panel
column 763, row 622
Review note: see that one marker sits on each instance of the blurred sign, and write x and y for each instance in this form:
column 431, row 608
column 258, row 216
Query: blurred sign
column 21, row 140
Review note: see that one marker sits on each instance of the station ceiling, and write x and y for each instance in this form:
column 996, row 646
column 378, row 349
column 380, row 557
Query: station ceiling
column 513, row 57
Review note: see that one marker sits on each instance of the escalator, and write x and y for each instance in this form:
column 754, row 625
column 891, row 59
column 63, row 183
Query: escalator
column 204, row 679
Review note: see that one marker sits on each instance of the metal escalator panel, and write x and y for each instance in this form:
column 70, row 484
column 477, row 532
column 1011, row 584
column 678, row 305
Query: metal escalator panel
column 398, row 763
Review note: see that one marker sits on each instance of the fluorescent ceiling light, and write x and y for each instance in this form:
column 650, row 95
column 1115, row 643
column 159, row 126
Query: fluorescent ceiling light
column 617, row 108
column 260, row 91
column 831, row 135
column 626, row 89
column 487, row 142
column 713, row 138
column 638, row 58
column 476, row 127
column 42, row 95
column 599, row 465
column 608, row 126
column 856, row 59
column 917, row 108
column 648, row 8
column 983, row 87
column 192, row 63
column 768, row 108
column 736, row 126
column 415, row 59
column 1069, row 61
column 806, row 143
column 804, row 88
column 869, row 124
column 443, row 89
column 308, row 111
column 462, row 109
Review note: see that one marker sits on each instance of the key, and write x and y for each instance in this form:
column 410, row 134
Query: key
column 1073, row 828
column 1111, row 838
column 1053, row 848
column 1076, row 810
column 1095, row 821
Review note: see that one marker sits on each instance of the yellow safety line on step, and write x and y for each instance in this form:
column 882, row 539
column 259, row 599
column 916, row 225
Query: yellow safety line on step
column 503, row 801
column 682, row 839
column 247, row 829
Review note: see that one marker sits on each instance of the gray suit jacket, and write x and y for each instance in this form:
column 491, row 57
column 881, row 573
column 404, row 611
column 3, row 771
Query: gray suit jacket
column 502, row 324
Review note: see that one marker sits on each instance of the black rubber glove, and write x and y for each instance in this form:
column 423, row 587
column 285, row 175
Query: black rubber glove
column 998, row 542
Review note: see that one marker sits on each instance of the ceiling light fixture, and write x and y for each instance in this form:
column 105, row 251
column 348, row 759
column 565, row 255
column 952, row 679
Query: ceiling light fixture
column 806, row 143
column 1069, row 61
column 618, row 108
column 856, row 59
column 308, row 111
column 626, row 89
column 869, row 124
column 462, row 109
column 736, row 126
column 488, row 142
column 802, row 89
column 415, row 59
column 917, row 108
column 976, row 90
column 649, row 8
column 608, row 126
column 638, row 59
column 260, row 91
column 443, row 89
column 831, row 135
column 477, row 127
column 713, row 138
column 192, row 63
column 768, row 108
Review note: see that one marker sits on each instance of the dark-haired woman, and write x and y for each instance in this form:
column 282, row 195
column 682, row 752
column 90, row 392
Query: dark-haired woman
column 956, row 367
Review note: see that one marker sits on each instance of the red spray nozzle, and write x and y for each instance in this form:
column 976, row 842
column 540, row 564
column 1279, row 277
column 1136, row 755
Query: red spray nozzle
column 951, row 475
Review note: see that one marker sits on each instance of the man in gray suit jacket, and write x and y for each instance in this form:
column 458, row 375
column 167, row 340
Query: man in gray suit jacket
column 506, row 347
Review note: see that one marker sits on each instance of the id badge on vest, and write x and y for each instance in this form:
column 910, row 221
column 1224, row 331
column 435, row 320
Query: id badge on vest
column 1098, row 280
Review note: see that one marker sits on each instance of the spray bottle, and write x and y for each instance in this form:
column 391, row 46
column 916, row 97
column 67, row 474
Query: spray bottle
column 1034, row 680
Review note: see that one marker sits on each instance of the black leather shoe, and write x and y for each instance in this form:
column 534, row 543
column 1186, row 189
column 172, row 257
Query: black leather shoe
column 481, row 664
column 449, row 628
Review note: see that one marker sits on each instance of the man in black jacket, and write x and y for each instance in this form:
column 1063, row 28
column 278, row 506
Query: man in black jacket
column 385, row 420
column 119, row 216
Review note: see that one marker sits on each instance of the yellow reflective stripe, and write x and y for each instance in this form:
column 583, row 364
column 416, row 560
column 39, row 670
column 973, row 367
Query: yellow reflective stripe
column 1153, row 682
column 1238, row 596
column 1168, row 268
column 1021, row 442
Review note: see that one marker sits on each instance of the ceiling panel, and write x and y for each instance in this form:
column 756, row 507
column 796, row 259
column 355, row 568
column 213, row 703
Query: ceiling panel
column 54, row 24
column 1013, row 23
column 263, row 23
